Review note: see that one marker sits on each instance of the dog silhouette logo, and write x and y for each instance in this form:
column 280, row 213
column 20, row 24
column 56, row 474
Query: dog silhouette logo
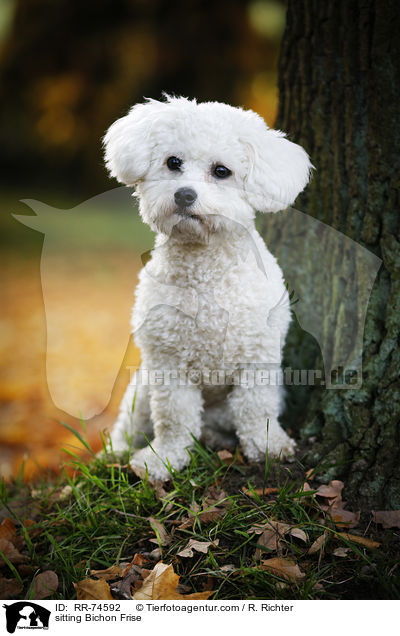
column 26, row 615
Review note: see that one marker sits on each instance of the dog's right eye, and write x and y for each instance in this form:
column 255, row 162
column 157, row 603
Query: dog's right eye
column 174, row 163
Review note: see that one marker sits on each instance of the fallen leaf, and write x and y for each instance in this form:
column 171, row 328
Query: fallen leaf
column 211, row 514
column 89, row 589
column 272, row 524
column 226, row 457
column 319, row 543
column 9, row 588
column 137, row 561
column 155, row 554
column 310, row 474
column 341, row 552
column 286, row 568
column 159, row 489
column 332, row 493
column 199, row 546
column 387, row 518
column 11, row 552
column 299, row 534
column 7, row 530
column 261, row 492
column 317, row 586
column 161, row 584
column 272, row 532
column 229, row 567
column 111, row 573
column 45, row 584
column 122, row 588
column 215, row 497
column 307, row 488
column 162, row 535
column 345, row 518
column 368, row 543
column 268, row 540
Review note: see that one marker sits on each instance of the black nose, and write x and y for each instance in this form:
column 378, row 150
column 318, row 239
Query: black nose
column 185, row 197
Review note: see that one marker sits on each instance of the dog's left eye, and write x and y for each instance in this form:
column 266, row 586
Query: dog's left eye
column 174, row 163
column 221, row 172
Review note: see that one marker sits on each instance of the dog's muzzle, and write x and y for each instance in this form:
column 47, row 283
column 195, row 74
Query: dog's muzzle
column 184, row 197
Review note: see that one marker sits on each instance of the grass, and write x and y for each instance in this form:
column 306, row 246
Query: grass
column 99, row 517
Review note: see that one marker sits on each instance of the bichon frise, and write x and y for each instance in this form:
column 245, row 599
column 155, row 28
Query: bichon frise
column 211, row 303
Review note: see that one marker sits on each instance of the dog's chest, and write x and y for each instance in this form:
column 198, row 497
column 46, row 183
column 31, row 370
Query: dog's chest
column 199, row 308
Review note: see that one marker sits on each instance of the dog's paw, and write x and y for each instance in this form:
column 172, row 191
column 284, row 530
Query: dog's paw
column 284, row 446
column 279, row 444
column 146, row 459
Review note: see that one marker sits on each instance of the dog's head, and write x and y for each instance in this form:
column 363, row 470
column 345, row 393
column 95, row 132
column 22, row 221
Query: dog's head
column 198, row 165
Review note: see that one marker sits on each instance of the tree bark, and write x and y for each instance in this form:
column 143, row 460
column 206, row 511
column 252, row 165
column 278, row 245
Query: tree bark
column 339, row 95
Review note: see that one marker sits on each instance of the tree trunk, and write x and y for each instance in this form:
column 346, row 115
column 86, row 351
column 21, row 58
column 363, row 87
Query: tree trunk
column 339, row 93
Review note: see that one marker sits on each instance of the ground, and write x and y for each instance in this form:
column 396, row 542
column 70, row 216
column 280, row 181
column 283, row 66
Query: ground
column 230, row 530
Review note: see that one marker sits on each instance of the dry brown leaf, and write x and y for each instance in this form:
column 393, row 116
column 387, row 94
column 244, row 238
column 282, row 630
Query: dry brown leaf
column 11, row 552
column 261, row 492
column 319, row 543
column 7, row 530
column 45, row 584
column 159, row 489
column 161, row 584
column 111, row 573
column 272, row 532
column 229, row 567
column 345, row 518
column 341, row 552
column 310, row 474
column 215, row 497
column 367, row 543
column 155, row 554
column 332, row 493
column 266, row 491
column 162, row 535
column 208, row 514
column 89, row 589
column 188, row 521
column 226, row 457
column 9, row 588
column 199, row 546
column 268, row 540
column 211, row 514
column 259, row 528
column 299, row 534
column 285, row 568
column 138, row 561
column 123, row 587
column 387, row 518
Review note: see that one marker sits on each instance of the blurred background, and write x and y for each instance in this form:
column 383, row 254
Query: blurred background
column 68, row 69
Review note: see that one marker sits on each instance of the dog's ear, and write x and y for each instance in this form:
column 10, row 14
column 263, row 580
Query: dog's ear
column 127, row 147
column 278, row 169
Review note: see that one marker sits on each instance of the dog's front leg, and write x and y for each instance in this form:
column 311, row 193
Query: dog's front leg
column 251, row 409
column 133, row 427
column 176, row 415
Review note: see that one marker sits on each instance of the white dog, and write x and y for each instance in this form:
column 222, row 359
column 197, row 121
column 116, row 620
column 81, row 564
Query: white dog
column 212, row 299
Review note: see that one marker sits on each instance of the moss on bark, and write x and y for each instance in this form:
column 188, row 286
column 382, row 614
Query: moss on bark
column 339, row 86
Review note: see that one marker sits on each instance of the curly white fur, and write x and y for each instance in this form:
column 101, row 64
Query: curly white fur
column 212, row 297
